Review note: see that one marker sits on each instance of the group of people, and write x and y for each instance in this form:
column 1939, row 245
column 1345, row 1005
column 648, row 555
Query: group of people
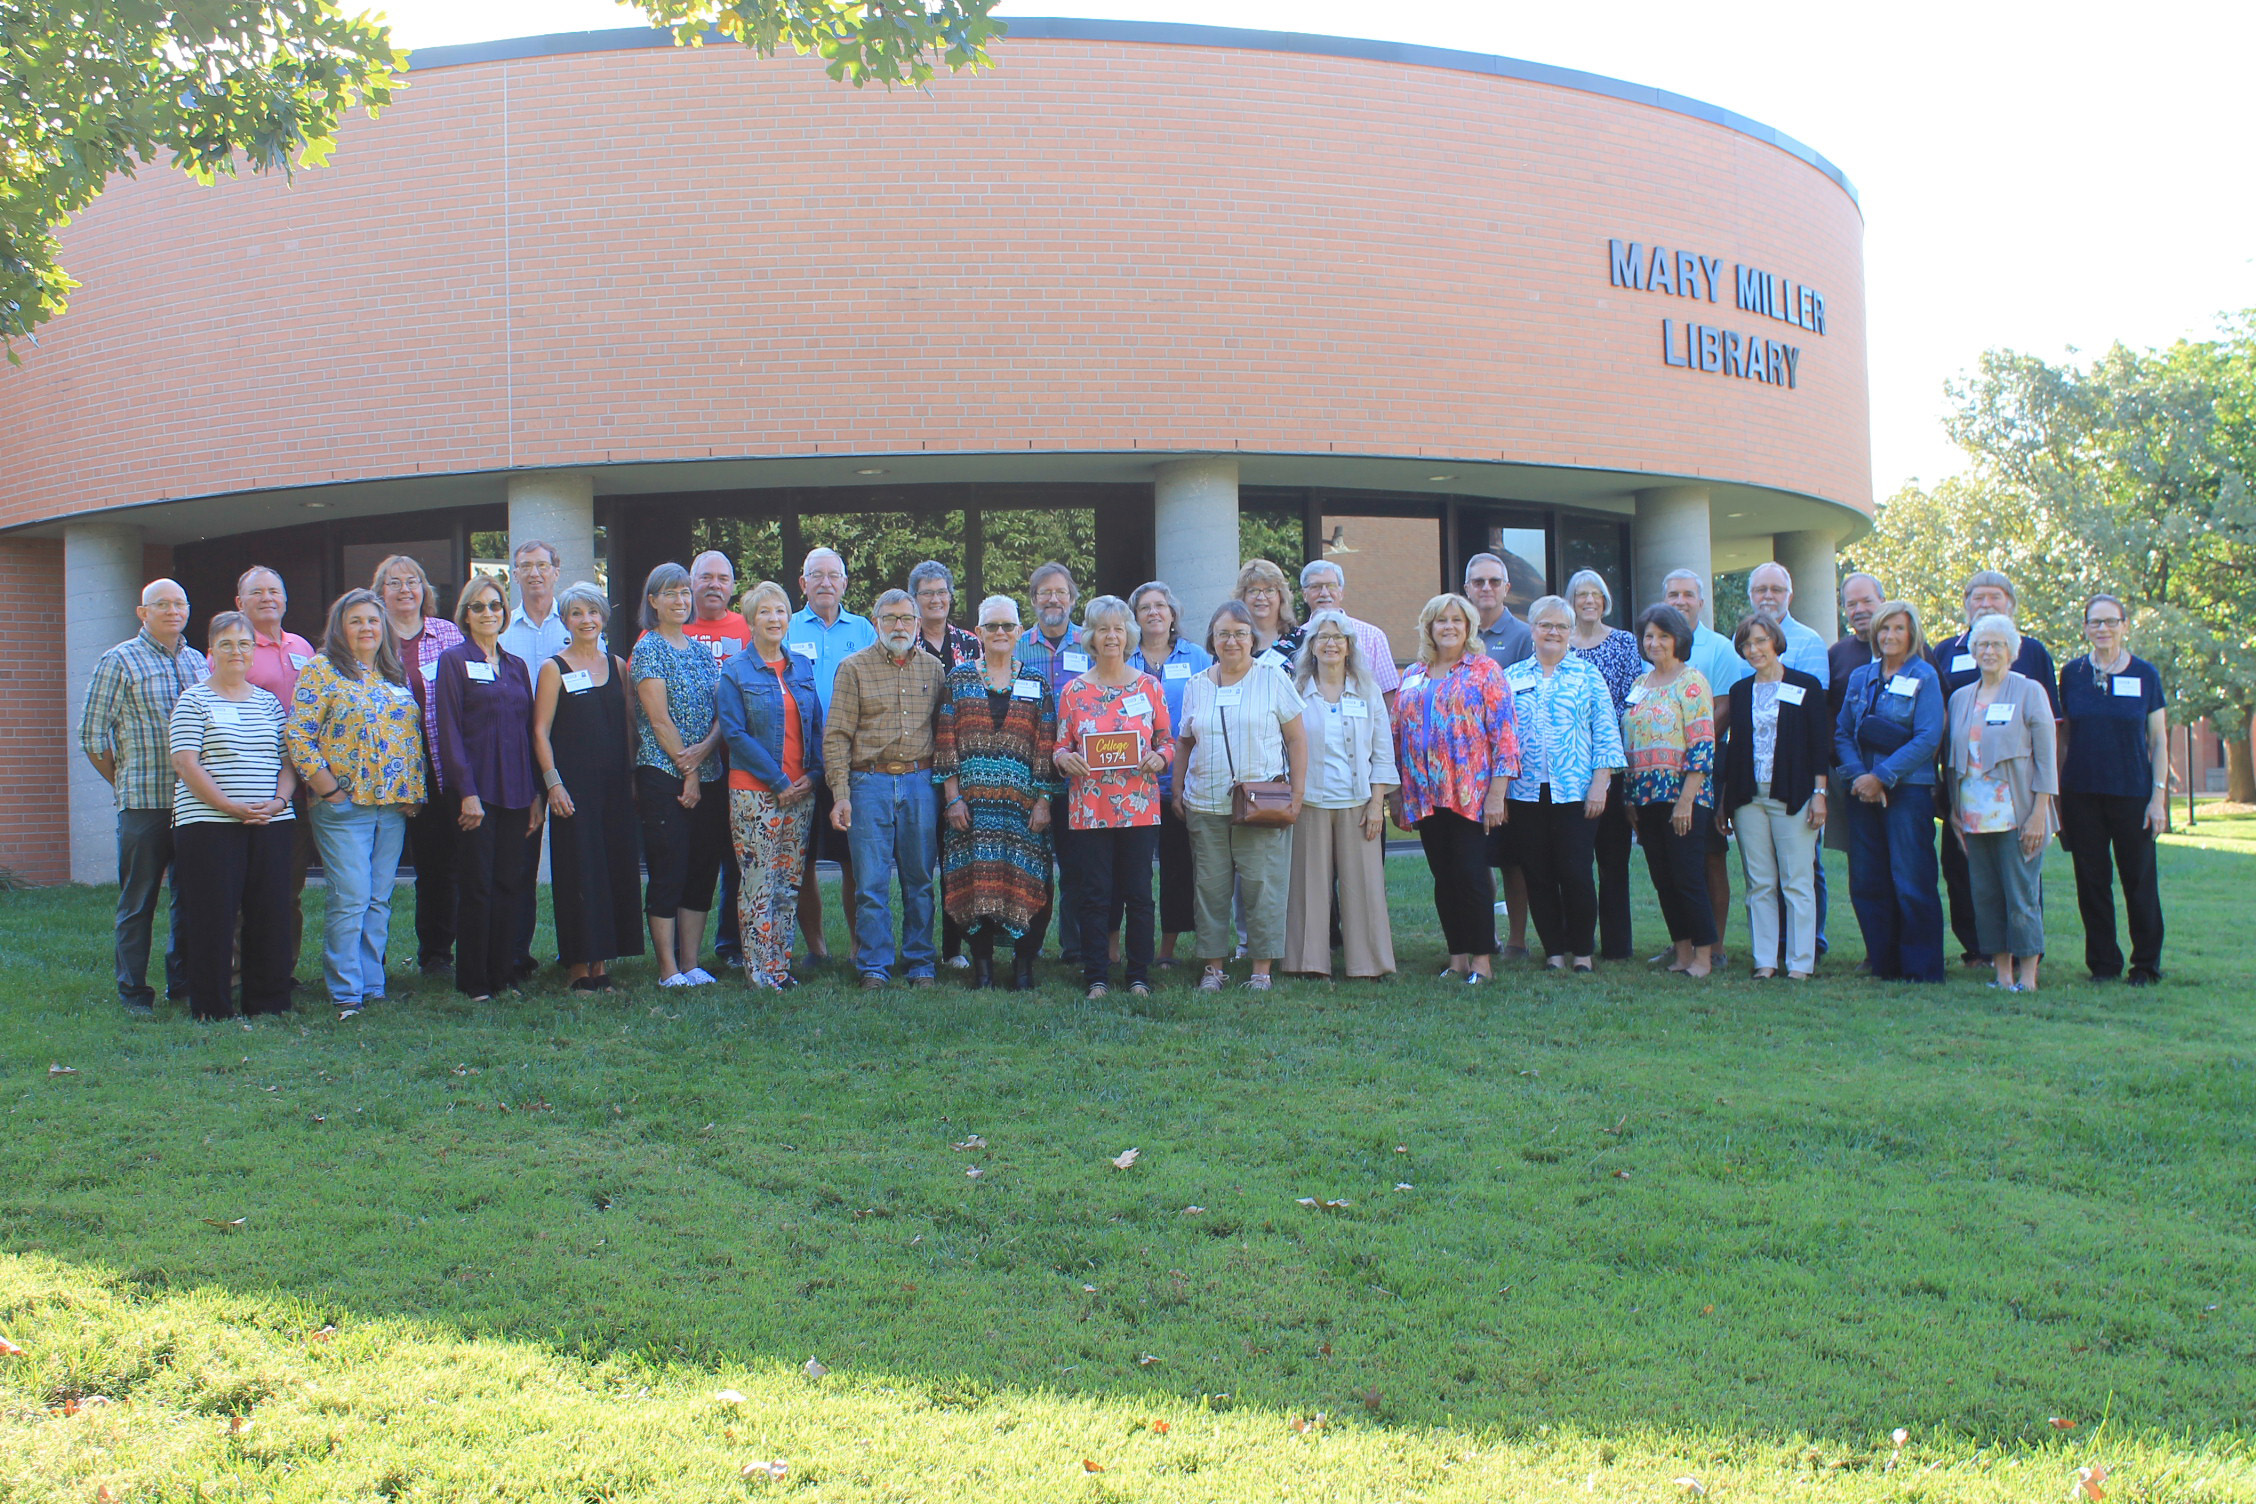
column 1119, row 779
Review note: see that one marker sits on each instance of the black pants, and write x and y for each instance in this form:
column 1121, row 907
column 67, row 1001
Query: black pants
column 727, row 943
column 1611, row 842
column 229, row 872
column 982, row 935
column 489, row 877
column 2107, row 834
column 528, row 907
column 1553, row 844
column 1178, row 888
column 145, row 856
column 1464, row 884
column 1959, row 886
column 1679, row 864
column 681, row 848
column 431, row 839
column 1067, row 911
column 1115, row 868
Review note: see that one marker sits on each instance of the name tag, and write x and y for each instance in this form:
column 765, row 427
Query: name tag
column 1075, row 663
column 1963, row 664
column 805, row 650
column 1228, row 695
column 1025, row 689
column 1175, row 671
column 431, row 672
column 1903, row 684
column 1354, row 709
column 402, row 691
column 2128, row 686
column 1136, row 704
column 1636, row 695
column 1999, row 715
column 224, row 714
column 579, row 681
column 1791, row 694
column 480, row 673
column 1271, row 657
column 299, row 660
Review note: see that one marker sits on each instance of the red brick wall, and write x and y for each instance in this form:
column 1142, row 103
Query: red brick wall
column 34, row 744
column 1100, row 245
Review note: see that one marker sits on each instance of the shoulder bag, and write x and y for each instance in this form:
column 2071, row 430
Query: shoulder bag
column 1266, row 801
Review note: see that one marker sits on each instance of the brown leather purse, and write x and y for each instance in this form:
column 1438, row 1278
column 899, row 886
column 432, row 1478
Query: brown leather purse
column 1266, row 801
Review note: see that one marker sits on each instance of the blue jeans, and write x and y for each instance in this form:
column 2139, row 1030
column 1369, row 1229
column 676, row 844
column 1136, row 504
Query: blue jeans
column 1892, row 877
column 896, row 831
column 144, row 848
column 360, row 855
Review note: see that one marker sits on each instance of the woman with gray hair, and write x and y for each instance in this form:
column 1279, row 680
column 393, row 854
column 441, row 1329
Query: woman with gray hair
column 677, row 776
column 1337, row 843
column 2003, row 777
column 1614, row 653
column 1163, row 652
column 1570, row 749
column 584, row 745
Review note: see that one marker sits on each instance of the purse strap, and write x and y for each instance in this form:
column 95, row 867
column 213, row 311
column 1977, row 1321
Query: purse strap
column 1227, row 755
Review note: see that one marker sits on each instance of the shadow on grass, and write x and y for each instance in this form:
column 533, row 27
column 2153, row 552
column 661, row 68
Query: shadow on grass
column 1754, row 1210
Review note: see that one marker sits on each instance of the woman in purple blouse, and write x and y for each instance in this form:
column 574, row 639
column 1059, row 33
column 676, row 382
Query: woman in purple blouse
column 485, row 716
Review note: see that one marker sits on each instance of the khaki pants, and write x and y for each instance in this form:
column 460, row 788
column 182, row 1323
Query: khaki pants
column 1259, row 857
column 1328, row 845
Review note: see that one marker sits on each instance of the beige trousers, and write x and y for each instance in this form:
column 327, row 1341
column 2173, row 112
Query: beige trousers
column 1329, row 844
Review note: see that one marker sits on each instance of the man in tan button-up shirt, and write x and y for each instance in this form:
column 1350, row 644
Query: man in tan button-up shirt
column 877, row 754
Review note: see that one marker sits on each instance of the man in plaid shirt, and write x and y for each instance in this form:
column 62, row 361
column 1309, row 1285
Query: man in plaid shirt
column 126, row 732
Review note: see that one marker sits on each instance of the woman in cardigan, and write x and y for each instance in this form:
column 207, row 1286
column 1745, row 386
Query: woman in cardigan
column 1570, row 749
column 1884, row 742
column 1338, row 845
column 1777, row 754
column 2003, row 778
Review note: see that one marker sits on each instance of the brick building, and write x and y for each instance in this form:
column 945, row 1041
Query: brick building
column 1404, row 303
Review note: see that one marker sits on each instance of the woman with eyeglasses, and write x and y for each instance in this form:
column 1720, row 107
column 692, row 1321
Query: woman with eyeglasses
column 1615, row 654
column 1339, row 841
column 1999, row 764
column 489, row 779
column 678, row 776
column 1570, row 750
column 2114, row 784
column 1668, row 733
column 1884, row 744
column 1264, row 593
column 1163, row 652
column 418, row 639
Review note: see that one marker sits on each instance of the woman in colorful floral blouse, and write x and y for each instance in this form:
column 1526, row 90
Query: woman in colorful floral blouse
column 1114, row 809
column 1457, row 752
column 356, row 738
column 1669, row 732
column 991, row 746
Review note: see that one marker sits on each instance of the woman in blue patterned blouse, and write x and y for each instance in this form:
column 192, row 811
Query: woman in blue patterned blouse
column 1570, row 749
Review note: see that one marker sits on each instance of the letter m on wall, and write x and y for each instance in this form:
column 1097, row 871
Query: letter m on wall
column 1754, row 290
column 1628, row 263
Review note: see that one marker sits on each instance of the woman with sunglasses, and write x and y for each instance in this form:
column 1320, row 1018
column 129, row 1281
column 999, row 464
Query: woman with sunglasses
column 2114, row 786
column 484, row 694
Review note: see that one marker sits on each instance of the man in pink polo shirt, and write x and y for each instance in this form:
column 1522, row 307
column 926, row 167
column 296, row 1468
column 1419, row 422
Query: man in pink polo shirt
column 276, row 657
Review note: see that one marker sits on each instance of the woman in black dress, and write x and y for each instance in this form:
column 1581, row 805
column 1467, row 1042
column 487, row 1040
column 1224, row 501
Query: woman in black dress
column 583, row 739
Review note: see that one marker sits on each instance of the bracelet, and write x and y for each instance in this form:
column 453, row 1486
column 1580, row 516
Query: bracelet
column 952, row 803
column 552, row 779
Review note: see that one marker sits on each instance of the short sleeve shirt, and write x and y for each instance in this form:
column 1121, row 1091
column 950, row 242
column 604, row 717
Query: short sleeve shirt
column 690, row 676
column 237, row 742
column 1127, row 798
column 1251, row 716
column 2108, row 752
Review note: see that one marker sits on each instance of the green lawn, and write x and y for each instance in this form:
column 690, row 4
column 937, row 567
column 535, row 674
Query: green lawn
column 1599, row 1235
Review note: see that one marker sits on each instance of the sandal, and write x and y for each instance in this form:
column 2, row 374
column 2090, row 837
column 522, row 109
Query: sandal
column 1214, row 980
column 1139, row 989
column 1096, row 991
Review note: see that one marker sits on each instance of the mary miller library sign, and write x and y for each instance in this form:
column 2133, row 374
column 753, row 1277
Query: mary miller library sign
column 1699, row 346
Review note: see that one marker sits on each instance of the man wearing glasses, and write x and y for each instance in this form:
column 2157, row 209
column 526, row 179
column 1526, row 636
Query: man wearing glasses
column 825, row 633
column 1508, row 640
column 536, row 633
column 877, row 759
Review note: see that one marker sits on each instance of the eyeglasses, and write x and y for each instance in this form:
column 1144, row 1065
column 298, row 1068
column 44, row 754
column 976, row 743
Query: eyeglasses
column 2103, row 621
column 897, row 619
column 1558, row 628
column 1233, row 637
column 998, row 626
column 481, row 607
column 826, row 577
column 1330, row 637
column 400, row 582
column 1485, row 582
column 538, row 566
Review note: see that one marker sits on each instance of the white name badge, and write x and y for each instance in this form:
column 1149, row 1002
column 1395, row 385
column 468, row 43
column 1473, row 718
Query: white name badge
column 431, row 672
column 299, row 660
column 1025, row 689
column 1963, row 664
column 1076, row 663
column 224, row 714
column 1637, row 693
column 2128, row 686
column 579, row 681
column 403, row 692
column 1228, row 695
column 1999, row 715
column 1903, row 684
column 1354, row 709
column 1176, row 671
column 1271, row 657
column 1135, row 704
column 805, row 650
column 480, row 673
column 1791, row 694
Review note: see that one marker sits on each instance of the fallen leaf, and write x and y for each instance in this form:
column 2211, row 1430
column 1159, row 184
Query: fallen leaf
column 1315, row 1205
column 1372, row 1399
column 68, row 1408
column 1404, row 1185
column 815, row 1370
column 62, row 1070
column 9, row 1349
column 1621, row 1174
column 973, row 1142
column 1192, row 1211
column 729, row 1396
column 1088, row 1466
column 1615, row 1131
column 105, row 1495
column 1325, row 1350
column 1302, row 1425
column 1899, row 1436
column 318, row 1118
column 324, row 1334
column 1123, row 1161
column 974, row 1173
column 1146, row 1361
column 1690, row 1485
column 1707, row 1310
column 2058, row 1424
column 2089, row 1479
column 1159, row 1427
column 238, row 1424
column 1402, row 1148
column 773, row 1471
column 1088, row 1289
column 234, row 1226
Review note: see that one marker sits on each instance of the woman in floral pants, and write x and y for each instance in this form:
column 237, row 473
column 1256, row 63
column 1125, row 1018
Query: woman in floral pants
column 772, row 722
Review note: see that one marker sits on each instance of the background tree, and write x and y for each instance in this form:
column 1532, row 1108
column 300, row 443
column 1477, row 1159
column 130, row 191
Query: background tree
column 92, row 88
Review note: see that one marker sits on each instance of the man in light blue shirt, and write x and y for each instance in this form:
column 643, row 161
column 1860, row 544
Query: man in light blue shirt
column 1770, row 590
column 824, row 633
column 536, row 632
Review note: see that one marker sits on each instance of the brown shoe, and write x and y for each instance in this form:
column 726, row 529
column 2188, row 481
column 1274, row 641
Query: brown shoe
column 872, row 982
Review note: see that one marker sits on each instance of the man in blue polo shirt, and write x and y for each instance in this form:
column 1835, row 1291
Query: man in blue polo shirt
column 1053, row 649
column 824, row 633
column 1712, row 655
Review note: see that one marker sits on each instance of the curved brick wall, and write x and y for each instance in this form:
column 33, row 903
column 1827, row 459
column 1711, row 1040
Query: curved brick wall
column 652, row 254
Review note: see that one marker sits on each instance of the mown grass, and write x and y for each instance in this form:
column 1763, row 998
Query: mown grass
column 1599, row 1235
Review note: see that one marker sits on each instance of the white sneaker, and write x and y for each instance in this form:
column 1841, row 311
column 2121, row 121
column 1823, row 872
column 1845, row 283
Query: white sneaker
column 699, row 977
column 678, row 979
column 959, row 963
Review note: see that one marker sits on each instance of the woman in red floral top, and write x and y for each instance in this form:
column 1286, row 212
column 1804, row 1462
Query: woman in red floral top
column 1114, row 810
column 1457, row 752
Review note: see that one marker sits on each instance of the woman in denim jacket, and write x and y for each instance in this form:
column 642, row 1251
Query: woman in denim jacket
column 771, row 721
column 1884, row 741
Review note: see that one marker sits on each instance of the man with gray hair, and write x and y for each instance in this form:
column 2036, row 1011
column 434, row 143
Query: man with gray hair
column 1720, row 664
column 1770, row 590
column 1507, row 638
column 715, row 623
column 877, row 759
column 934, row 586
column 1988, row 593
column 125, row 730
column 1053, row 650
column 1861, row 599
column 1323, row 585
column 825, row 633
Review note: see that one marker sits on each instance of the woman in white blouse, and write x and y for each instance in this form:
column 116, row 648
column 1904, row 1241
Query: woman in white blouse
column 1337, row 843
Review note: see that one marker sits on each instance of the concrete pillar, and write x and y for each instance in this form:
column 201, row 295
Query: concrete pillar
column 1808, row 557
column 1195, row 518
column 101, row 587
column 1671, row 533
column 557, row 507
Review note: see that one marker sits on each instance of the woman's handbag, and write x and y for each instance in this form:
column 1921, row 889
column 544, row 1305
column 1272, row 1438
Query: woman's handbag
column 1266, row 801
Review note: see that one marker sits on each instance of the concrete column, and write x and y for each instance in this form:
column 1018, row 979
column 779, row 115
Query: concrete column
column 557, row 507
column 1671, row 533
column 1195, row 518
column 101, row 587
column 1808, row 557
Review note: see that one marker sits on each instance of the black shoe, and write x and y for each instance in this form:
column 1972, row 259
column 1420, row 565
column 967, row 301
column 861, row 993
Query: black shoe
column 438, row 968
column 982, row 973
column 1022, row 974
column 136, row 1009
column 2143, row 976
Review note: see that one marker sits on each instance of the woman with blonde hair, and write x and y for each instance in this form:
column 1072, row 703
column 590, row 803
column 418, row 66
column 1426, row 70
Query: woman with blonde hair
column 771, row 719
column 419, row 636
column 1884, row 742
column 1337, row 843
column 1264, row 593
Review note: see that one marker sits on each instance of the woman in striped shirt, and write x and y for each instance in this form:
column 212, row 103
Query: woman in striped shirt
column 231, row 830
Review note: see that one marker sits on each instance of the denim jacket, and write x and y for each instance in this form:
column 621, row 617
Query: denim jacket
column 1891, row 736
column 750, row 709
